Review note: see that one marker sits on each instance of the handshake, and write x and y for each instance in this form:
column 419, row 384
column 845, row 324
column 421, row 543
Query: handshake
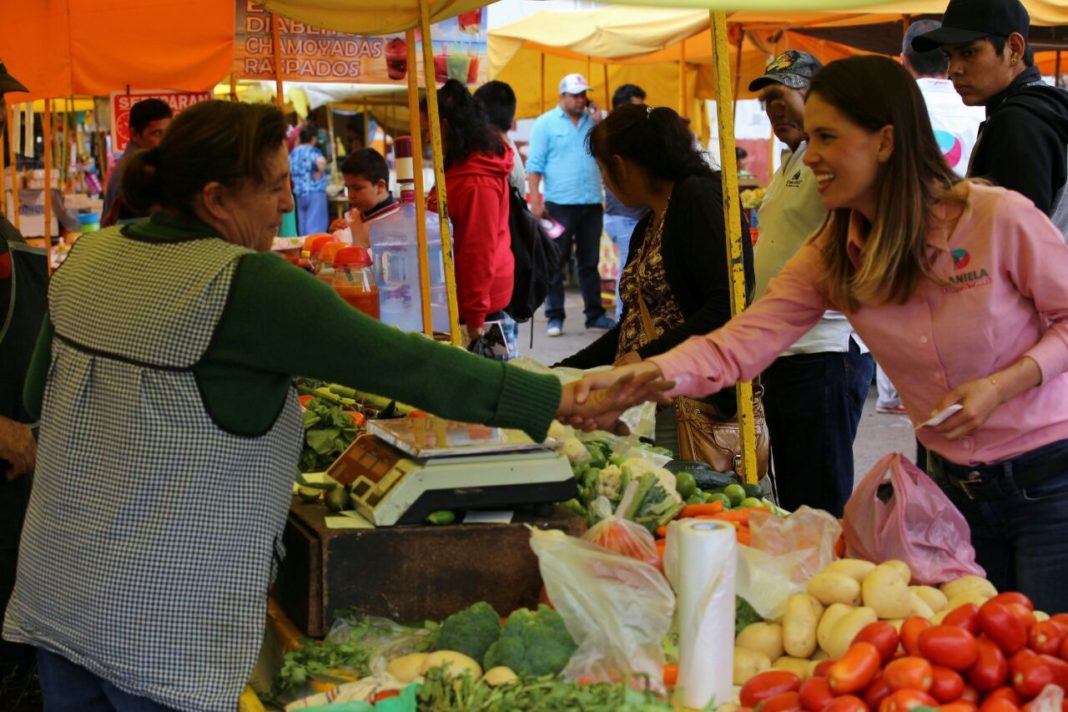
column 596, row 401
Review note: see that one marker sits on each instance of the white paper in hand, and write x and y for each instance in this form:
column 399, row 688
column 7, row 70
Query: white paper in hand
column 941, row 416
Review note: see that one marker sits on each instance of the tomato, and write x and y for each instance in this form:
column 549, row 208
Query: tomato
column 781, row 702
column 998, row 704
column 998, row 623
column 970, row 694
column 815, row 694
column 910, row 633
column 1014, row 597
column 948, row 645
column 876, row 692
column 991, row 669
column 846, row 703
column 768, row 684
column 946, row 685
column 1031, row 675
column 909, row 672
column 966, row 617
column 1024, row 614
column 1046, row 637
column 1061, row 618
column 359, row 419
column 907, row 700
column 823, row 667
column 882, row 635
column 1064, row 649
column 1006, row 693
column 304, row 400
column 855, row 669
column 958, row 706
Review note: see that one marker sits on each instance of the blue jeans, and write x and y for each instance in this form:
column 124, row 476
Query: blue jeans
column 1021, row 536
column 619, row 229
column 313, row 213
column 582, row 228
column 67, row 687
column 813, row 404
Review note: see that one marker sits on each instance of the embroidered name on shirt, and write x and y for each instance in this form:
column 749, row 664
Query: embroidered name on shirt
column 966, row 280
column 794, row 181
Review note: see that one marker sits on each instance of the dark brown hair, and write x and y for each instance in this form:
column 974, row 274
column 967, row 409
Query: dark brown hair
column 656, row 140
column 221, row 141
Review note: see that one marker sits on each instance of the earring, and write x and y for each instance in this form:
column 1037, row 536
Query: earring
column 1012, row 61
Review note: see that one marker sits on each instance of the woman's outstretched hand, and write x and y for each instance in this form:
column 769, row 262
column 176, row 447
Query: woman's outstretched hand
column 596, row 401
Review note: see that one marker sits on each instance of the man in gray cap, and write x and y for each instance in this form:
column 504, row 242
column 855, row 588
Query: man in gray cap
column 814, row 392
column 1023, row 144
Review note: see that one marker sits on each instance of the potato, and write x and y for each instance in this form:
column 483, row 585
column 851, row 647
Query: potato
column 799, row 624
column 831, row 588
column 847, row 628
column 919, row 607
column 456, row 664
column 935, row 599
column 798, row 666
column 407, row 667
column 886, row 592
column 897, row 623
column 1041, row 616
column 748, row 663
column 937, row 618
column 854, row 568
column 763, row 638
column 728, row 707
column 500, row 675
column 968, row 584
column 834, row 613
column 901, row 567
column 974, row 596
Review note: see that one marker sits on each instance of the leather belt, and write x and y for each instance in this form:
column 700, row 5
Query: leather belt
column 999, row 479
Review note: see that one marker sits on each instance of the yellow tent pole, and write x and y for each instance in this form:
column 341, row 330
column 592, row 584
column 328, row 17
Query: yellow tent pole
column 233, row 87
column 276, row 51
column 11, row 138
column 541, row 84
column 46, row 125
column 733, row 217
column 738, row 70
column 439, row 172
column 682, row 78
column 607, row 96
column 417, row 174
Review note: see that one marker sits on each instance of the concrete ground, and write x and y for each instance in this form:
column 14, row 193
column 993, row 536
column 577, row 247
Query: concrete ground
column 879, row 433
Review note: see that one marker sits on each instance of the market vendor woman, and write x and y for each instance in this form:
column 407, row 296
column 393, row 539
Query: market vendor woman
column 957, row 287
column 170, row 428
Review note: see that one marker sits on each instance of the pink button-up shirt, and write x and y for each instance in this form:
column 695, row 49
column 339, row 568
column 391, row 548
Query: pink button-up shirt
column 1008, row 267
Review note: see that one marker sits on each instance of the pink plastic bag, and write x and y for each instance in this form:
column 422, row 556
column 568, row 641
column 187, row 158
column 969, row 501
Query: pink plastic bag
column 916, row 523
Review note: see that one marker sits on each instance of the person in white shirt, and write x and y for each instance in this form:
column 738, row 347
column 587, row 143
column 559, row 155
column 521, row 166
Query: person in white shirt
column 814, row 393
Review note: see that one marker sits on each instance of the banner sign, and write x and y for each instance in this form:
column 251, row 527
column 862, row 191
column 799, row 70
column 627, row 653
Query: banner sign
column 122, row 102
column 311, row 54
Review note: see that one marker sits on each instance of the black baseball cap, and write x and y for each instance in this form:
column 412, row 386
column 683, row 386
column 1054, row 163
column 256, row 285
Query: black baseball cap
column 970, row 20
column 8, row 82
column 792, row 68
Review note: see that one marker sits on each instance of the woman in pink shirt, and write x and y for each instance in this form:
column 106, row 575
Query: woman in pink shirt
column 958, row 288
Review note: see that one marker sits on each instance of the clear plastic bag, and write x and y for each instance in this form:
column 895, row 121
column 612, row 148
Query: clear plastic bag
column 620, row 535
column 784, row 555
column 898, row 512
column 616, row 608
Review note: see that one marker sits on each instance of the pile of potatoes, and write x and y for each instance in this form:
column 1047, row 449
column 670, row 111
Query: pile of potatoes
column 845, row 596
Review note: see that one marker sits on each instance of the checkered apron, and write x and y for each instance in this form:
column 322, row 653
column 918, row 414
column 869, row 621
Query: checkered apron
column 152, row 534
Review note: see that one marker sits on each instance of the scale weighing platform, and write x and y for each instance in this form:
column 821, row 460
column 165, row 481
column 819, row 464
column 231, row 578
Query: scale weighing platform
column 403, row 469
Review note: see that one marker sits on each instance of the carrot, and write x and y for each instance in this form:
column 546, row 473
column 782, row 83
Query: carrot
column 692, row 510
column 661, row 545
column 743, row 536
column 735, row 515
column 661, row 532
column 671, row 674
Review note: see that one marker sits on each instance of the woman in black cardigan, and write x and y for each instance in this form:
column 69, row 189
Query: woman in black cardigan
column 677, row 262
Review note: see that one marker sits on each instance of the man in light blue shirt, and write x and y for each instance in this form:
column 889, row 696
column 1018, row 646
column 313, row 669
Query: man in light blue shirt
column 573, row 197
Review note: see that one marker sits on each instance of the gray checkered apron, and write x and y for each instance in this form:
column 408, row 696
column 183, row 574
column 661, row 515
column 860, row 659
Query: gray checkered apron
column 152, row 534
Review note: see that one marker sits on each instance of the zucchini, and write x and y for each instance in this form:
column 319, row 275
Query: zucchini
column 706, row 478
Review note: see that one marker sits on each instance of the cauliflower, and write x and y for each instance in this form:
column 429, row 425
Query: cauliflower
column 576, row 452
column 639, row 466
column 609, row 482
column 559, row 431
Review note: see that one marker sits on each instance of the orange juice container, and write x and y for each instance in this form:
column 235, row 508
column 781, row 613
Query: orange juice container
column 354, row 279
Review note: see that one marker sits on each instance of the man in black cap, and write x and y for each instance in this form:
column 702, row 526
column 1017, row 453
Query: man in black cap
column 1023, row 144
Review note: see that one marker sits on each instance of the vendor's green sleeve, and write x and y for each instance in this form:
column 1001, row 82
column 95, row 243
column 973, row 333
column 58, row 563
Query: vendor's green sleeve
column 281, row 321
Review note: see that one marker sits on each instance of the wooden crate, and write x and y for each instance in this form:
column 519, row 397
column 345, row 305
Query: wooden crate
column 407, row 574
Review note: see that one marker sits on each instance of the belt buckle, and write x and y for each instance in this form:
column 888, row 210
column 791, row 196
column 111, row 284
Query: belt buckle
column 973, row 479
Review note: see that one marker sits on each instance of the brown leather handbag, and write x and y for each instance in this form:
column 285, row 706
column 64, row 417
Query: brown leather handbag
column 704, row 434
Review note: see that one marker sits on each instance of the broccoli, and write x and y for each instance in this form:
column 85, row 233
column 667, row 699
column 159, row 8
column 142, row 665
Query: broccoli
column 471, row 631
column 532, row 643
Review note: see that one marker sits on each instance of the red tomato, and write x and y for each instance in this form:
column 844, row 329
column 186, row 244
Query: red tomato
column 910, row 633
column 768, row 684
column 1046, row 637
column 1031, row 675
column 909, row 673
column 882, row 635
column 1064, row 649
column 970, row 694
column 1014, row 597
column 815, row 694
column 1006, row 693
column 876, row 692
column 846, row 703
column 946, row 685
column 991, row 669
column 958, row 706
column 855, row 669
column 1024, row 614
column 999, row 624
column 966, row 617
column 823, row 668
column 907, row 700
column 948, row 645
column 1061, row 618
column 998, row 704
column 781, row 702
column 358, row 418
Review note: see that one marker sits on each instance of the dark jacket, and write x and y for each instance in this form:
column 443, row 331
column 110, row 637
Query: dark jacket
column 695, row 260
column 1024, row 141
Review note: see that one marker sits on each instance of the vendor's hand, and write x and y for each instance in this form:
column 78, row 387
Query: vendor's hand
column 629, row 357
column 603, row 395
column 339, row 224
column 979, row 398
column 17, row 446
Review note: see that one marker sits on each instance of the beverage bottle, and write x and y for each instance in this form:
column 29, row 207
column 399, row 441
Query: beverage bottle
column 354, row 279
column 325, row 260
column 313, row 244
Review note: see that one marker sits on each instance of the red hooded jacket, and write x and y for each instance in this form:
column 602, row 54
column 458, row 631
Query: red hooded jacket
column 482, row 244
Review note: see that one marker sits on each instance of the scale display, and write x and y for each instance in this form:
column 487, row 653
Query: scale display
column 438, row 437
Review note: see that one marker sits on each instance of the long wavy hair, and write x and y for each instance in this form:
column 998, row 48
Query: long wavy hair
column 464, row 123
column 874, row 92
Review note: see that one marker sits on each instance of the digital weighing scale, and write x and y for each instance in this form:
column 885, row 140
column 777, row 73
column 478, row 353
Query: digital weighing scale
column 403, row 469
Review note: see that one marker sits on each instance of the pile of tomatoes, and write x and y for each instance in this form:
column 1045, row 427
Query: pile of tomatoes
column 991, row 658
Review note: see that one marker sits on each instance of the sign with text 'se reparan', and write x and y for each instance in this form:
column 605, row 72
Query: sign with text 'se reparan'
column 122, row 102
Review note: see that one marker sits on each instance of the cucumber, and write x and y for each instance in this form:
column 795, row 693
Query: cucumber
column 754, row 490
column 705, row 476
